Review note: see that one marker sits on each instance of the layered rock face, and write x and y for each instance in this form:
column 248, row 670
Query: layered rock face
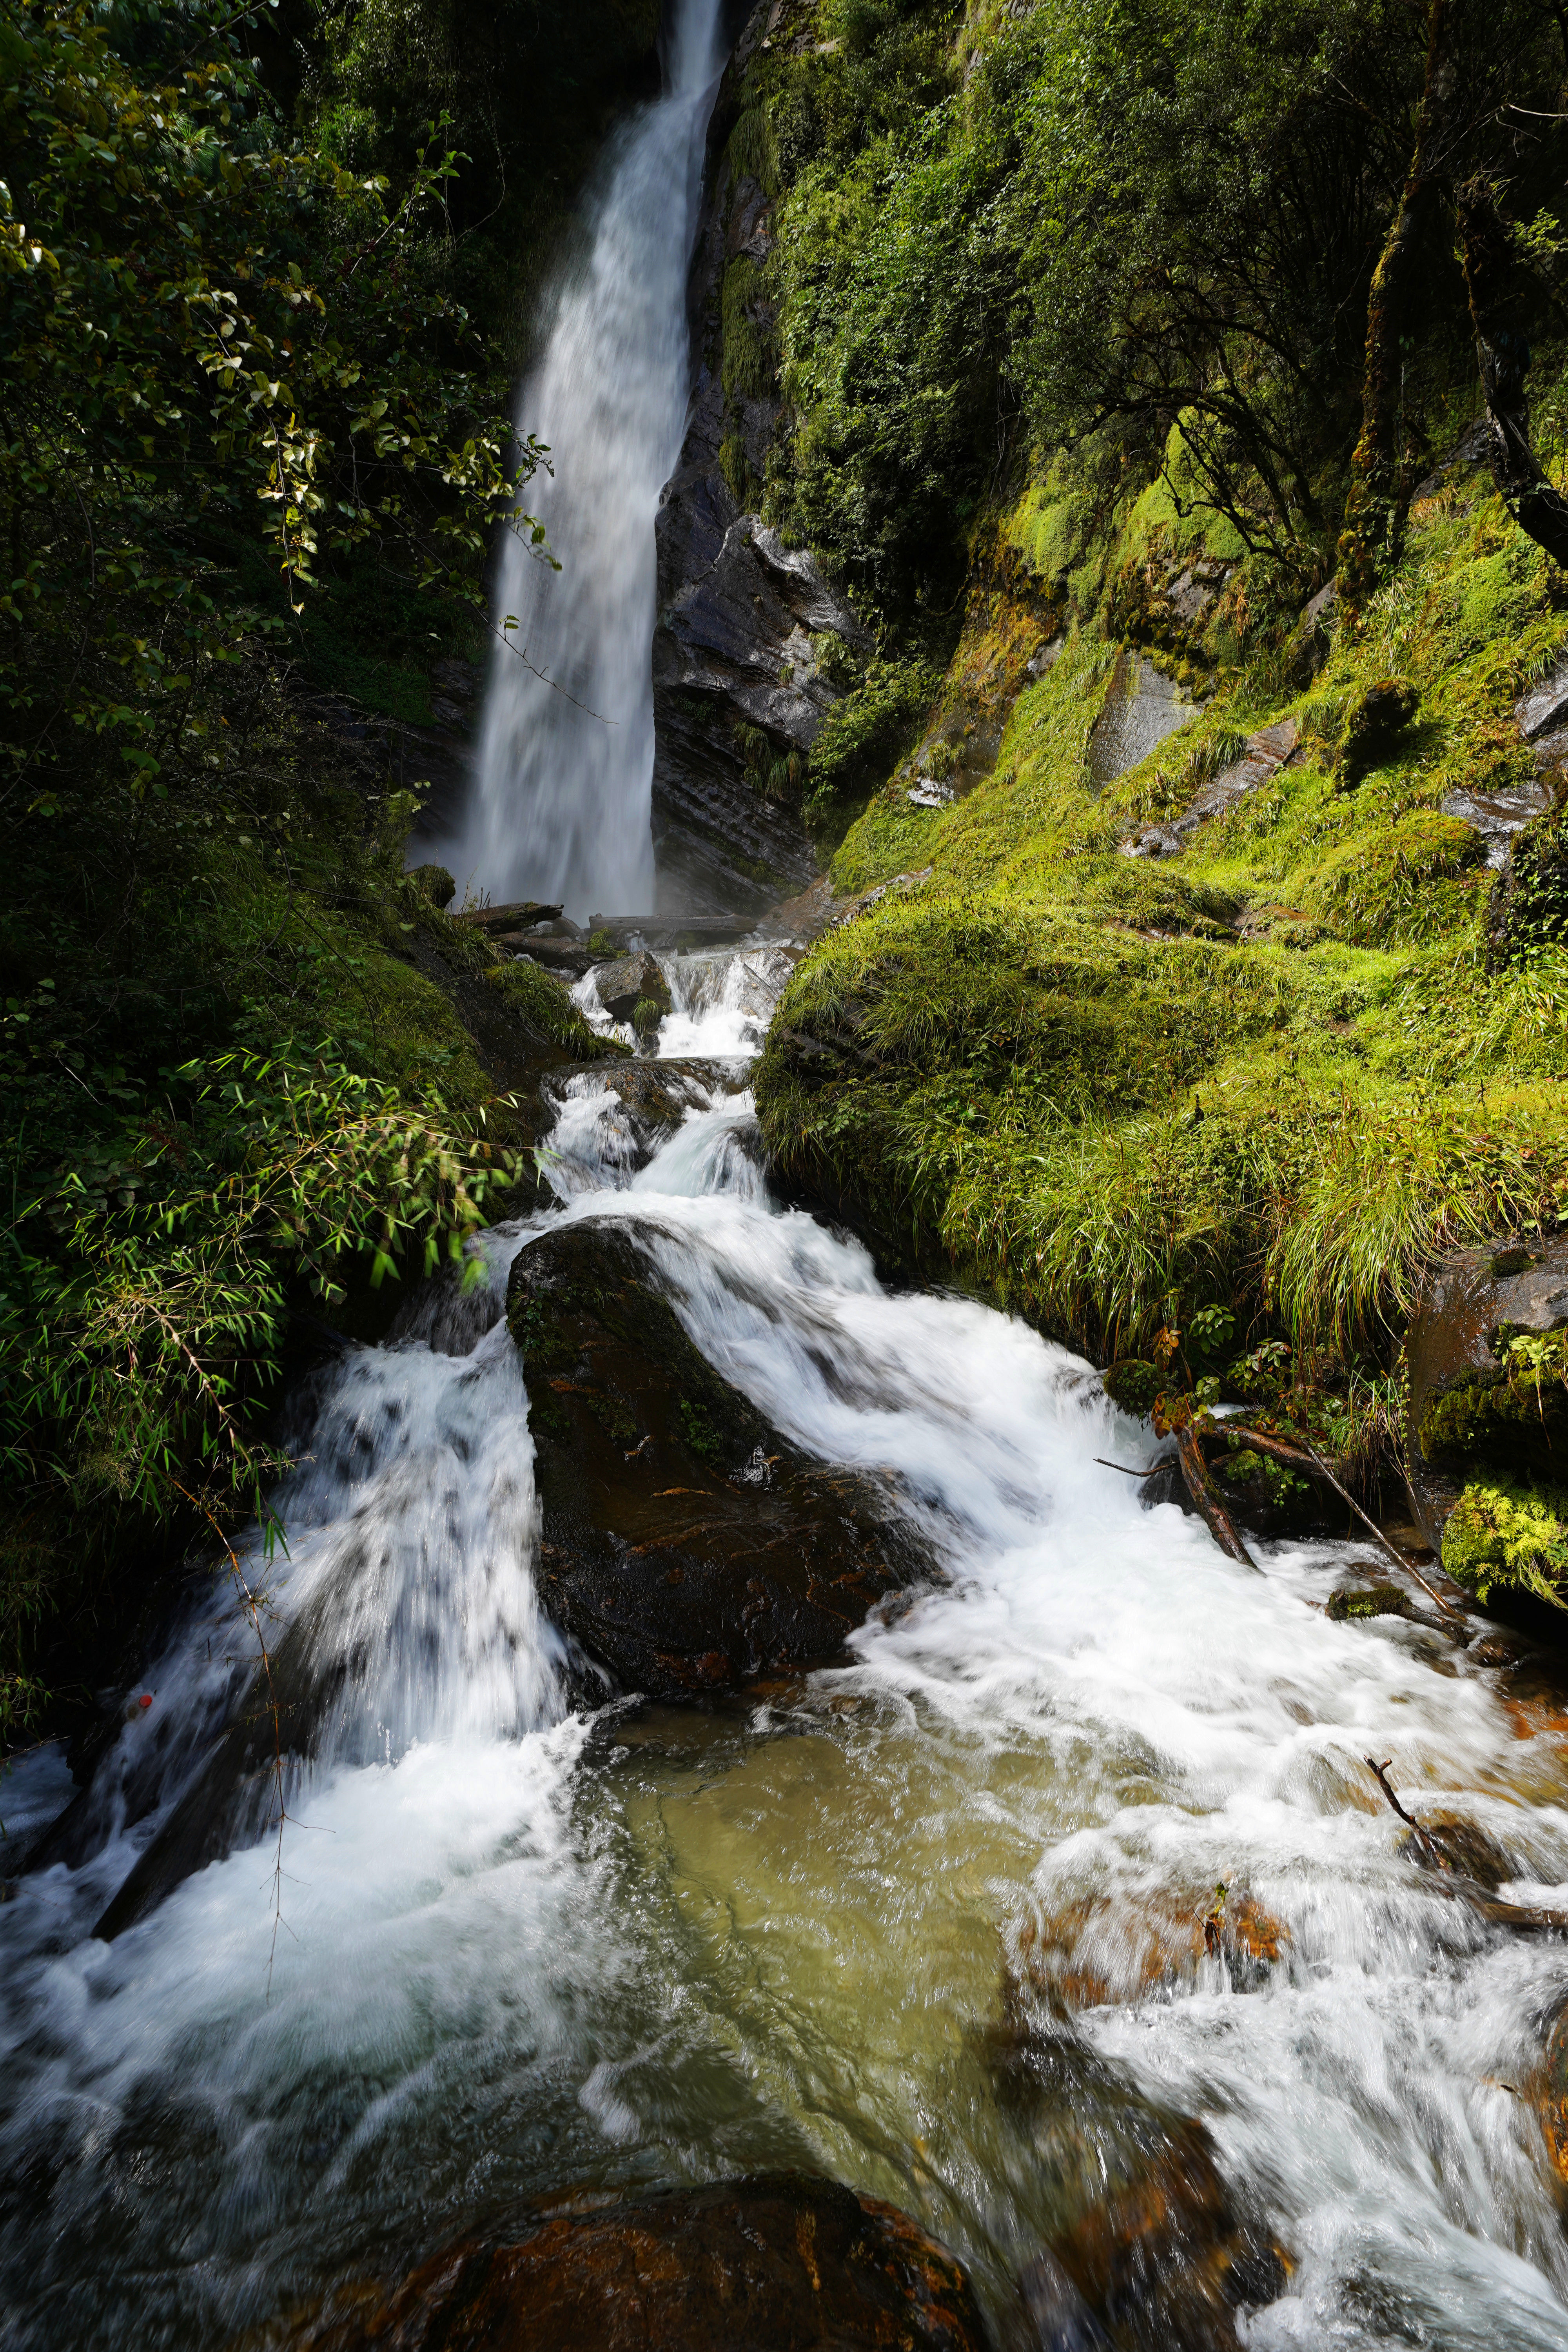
column 748, row 630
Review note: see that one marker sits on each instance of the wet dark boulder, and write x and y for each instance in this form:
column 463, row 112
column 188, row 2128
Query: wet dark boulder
column 652, row 1097
column 275, row 1723
column 789, row 2262
column 1150, row 2247
column 631, row 981
column 433, row 882
column 1487, row 1417
column 686, row 1545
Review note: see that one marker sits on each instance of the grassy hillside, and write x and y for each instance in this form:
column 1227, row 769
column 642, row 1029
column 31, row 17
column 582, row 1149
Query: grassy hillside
column 1065, row 389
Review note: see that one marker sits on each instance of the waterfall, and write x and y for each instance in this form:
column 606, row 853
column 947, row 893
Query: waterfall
column 560, row 808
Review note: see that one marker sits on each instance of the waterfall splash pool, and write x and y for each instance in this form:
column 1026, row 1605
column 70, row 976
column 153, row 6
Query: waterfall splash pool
column 528, row 1943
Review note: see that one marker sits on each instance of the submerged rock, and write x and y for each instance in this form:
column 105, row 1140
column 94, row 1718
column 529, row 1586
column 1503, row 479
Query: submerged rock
column 1122, row 1946
column 1487, row 1416
column 276, row 1724
column 655, row 1095
column 1551, row 2101
column 1148, row 2245
column 1348, row 1604
column 788, row 2262
column 686, row 1547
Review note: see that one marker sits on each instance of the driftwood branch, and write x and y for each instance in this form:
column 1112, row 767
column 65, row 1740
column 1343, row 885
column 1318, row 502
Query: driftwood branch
column 1207, row 1499
column 1307, row 1457
column 1523, row 1918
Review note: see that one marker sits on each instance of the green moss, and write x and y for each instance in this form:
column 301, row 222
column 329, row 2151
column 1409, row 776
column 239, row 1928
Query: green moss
column 541, row 1002
column 1517, row 1413
column 752, row 152
column 1414, row 879
column 888, row 837
column 1500, row 1535
column 733, row 466
column 1350, row 1604
column 1133, row 1384
column 747, row 344
column 1375, row 719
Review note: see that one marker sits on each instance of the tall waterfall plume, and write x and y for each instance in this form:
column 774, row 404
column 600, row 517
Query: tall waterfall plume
column 561, row 803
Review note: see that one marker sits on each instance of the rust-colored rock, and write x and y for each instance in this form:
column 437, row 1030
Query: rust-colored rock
column 1122, row 1947
column 790, row 2262
column 686, row 1545
column 1148, row 2245
column 1552, row 2101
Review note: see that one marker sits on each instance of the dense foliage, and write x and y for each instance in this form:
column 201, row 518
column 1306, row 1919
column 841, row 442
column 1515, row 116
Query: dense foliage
column 1146, row 232
column 237, row 389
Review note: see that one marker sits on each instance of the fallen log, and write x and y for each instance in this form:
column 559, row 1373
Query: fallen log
column 492, row 920
column 1205, row 1497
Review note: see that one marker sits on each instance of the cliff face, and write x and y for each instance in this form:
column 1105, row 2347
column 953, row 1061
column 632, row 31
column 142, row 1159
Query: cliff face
column 748, row 629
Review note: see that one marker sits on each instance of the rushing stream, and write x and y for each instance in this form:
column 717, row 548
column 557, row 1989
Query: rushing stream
column 512, row 1942
column 524, row 1946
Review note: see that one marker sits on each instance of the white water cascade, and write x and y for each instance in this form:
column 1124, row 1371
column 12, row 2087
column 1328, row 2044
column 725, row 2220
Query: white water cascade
column 530, row 1942
column 560, row 808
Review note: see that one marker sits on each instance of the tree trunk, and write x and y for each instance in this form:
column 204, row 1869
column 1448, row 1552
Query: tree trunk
column 1375, row 511
column 1502, row 352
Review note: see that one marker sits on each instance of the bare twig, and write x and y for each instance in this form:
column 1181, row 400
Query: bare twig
column 1523, row 1918
column 1426, row 1846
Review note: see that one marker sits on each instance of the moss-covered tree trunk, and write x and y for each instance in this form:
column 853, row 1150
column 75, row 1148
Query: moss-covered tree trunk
column 1502, row 353
column 1375, row 511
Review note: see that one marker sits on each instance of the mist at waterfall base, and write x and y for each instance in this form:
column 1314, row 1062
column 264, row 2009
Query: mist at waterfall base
column 529, row 1945
column 561, row 805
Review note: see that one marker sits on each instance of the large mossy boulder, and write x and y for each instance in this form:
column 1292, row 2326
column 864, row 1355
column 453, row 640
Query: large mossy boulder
column 789, row 2262
column 1487, row 1417
column 687, row 1546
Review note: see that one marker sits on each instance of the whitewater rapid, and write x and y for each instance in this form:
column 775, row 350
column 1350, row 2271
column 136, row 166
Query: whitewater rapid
column 561, row 808
column 530, row 1942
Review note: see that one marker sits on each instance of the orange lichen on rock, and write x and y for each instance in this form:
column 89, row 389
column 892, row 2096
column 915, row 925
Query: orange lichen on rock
column 1121, row 1947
